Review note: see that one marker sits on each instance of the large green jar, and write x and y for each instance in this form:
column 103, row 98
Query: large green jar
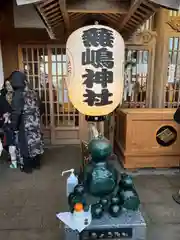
column 100, row 149
column 100, row 177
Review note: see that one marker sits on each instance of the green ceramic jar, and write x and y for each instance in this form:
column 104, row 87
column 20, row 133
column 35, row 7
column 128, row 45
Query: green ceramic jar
column 100, row 177
column 100, row 149
column 130, row 199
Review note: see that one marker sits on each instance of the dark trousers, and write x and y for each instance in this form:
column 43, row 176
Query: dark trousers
column 31, row 163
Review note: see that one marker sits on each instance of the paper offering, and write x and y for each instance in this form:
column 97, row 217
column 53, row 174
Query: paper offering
column 67, row 219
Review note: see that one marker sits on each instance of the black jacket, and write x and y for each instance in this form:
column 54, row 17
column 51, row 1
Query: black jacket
column 18, row 82
column 4, row 108
column 4, row 105
column 177, row 115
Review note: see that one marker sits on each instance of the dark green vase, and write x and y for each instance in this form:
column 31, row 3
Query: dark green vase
column 75, row 198
column 115, row 210
column 130, row 199
column 100, row 177
column 97, row 210
column 126, row 182
column 115, row 200
column 104, row 202
column 79, row 189
column 99, row 149
column 102, row 180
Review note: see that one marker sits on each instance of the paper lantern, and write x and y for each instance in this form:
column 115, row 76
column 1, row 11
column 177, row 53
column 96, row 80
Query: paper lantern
column 95, row 69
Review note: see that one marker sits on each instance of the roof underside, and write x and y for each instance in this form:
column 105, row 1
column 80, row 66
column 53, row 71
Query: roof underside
column 123, row 15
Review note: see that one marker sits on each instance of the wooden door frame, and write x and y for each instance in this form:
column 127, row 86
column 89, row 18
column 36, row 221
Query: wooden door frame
column 21, row 68
column 82, row 128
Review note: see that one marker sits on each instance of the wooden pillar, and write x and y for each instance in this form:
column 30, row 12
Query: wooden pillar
column 8, row 42
column 161, row 58
column 9, row 56
column 83, row 128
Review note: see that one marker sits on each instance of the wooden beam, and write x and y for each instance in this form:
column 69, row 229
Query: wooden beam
column 99, row 6
column 44, row 19
column 64, row 12
column 132, row 9
column 111, row 20
column 74, row 18
column 25, row 34
column 49, row 7
column 44, row 3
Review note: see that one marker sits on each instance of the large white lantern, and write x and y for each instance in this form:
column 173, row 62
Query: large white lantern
column 95, row 69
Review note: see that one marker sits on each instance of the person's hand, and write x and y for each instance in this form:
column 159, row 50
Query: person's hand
column 6, row 117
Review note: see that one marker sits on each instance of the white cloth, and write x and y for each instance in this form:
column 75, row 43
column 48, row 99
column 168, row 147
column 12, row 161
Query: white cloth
column 1, row 147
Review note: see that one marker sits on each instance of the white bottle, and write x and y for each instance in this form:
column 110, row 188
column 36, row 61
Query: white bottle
column 80, row 218
column 72, row 181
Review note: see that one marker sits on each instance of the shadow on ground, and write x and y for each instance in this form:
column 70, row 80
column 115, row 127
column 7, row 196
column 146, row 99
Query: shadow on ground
column 29, row 203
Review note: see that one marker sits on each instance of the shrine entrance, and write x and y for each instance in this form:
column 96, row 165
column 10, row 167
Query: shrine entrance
column 46, row 70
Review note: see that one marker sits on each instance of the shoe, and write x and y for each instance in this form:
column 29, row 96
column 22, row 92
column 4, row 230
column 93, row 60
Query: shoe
column 36, row 164
column 25, row 169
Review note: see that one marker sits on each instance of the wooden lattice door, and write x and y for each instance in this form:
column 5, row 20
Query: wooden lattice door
column 46, row 69
column 139, row 70
column 172, row 87
column 136, row 78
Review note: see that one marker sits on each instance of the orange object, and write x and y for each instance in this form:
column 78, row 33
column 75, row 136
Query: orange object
column 78, row 207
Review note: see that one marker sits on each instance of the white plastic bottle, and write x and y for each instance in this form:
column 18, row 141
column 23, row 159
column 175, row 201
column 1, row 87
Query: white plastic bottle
column 80, row 218
column 72, row 181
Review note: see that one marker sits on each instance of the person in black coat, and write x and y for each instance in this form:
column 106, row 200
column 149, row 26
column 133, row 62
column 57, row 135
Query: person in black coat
column 5, row 111
column 177, row 115
column 25, row 122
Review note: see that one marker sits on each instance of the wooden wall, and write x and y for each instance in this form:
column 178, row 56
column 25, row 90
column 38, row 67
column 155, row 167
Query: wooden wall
column 9, row 56
column 11, row 37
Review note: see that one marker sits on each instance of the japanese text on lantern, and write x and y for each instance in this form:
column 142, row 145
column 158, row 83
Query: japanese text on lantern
column 98, row 55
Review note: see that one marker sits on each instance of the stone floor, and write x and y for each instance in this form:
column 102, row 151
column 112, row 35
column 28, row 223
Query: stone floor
column 28, row 203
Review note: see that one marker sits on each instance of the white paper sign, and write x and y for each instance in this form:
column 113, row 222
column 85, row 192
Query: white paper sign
column 142, row 68
column 67, row 219
column 125, row 93
column 171, row 73
column 23, row 2
column 130, row 89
